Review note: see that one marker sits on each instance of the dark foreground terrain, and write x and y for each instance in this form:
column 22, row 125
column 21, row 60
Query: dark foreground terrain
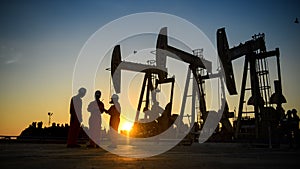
column 203, row 156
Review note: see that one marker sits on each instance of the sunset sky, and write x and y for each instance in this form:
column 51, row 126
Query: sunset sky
column 41, row 40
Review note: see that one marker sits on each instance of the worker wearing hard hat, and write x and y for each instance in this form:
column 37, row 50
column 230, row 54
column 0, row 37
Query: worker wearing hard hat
column 114, row 111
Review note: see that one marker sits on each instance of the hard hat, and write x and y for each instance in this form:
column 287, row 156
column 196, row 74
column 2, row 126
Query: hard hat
column 114, row 96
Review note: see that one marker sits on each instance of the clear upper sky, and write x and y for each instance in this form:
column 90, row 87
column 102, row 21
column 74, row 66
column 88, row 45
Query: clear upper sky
column 40, row 41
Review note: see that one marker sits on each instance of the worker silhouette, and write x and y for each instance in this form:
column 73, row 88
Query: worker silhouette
column 75, row 118
column 114, row 111
column 295, row 127
column 96, row 108
column 289, row 128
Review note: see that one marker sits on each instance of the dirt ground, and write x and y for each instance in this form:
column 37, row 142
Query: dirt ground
column 203, row 156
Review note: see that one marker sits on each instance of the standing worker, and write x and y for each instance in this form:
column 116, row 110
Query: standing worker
column 75, row 118
column 295, row 127
column 114, row 111
column 290, row 128
column 96, row 108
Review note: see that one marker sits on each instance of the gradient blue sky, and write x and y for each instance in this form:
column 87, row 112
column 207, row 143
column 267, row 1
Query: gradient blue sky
column 40, row 41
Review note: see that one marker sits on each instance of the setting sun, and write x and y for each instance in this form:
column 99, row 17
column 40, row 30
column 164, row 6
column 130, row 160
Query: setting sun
column 127, row 126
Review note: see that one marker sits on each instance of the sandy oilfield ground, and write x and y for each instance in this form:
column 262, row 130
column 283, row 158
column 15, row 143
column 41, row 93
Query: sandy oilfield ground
column 203, row 156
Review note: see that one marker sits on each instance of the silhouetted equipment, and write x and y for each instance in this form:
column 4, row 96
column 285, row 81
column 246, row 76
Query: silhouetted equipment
column 163, row 50
column 149, row 84
column 117, row 65
column 116, row 75
column 266, row 118
column 196, row 66
column 223, row 51
column 200, row 68
column 296, row 21
column 50, row 115
column 277, row 97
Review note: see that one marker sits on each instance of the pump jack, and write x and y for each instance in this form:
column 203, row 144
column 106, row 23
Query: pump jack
column 195, row 63
column 266, row 118
column 162, row 51
column 117, row 65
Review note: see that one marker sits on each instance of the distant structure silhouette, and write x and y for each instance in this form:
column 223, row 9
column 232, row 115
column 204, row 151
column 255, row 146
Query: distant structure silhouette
column 114, row 111
column 49, row 116
column 35, row 131
column 96, row 108
column 75, row 118
column 296, row 21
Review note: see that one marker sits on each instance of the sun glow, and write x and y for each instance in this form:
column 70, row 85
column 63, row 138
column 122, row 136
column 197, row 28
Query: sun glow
column 127, row 126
